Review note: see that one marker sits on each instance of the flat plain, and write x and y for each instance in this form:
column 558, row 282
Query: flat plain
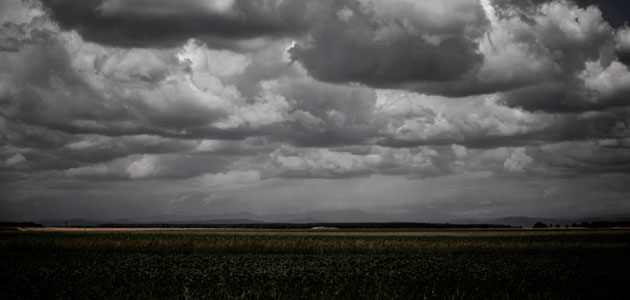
column 77, row 263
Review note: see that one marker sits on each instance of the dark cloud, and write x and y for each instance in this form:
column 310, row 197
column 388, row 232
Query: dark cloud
column 328, row 114
column 622, row 45
column 395, row 44
column 165, row 23
column 604, row 156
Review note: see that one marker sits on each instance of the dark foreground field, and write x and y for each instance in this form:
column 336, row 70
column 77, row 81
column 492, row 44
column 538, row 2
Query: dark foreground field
column 311, row 264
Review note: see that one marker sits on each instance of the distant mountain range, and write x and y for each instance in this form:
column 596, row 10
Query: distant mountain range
column 342, row 216
column 89, row 223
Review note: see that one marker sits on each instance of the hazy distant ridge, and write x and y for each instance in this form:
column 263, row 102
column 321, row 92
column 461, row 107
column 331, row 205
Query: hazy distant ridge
column 318, row 217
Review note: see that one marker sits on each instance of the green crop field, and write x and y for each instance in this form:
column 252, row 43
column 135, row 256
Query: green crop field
column 315, row 264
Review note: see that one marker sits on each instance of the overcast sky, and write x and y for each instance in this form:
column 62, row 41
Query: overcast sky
column 434, row 110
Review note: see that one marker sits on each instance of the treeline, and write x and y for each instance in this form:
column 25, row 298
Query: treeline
column 20, row 224
column 594, row 224
column 311, row 225
column 603, row 224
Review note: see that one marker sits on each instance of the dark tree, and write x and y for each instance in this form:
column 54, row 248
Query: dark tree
column 540, row 225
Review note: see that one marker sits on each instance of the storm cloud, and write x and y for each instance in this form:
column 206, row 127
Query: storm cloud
column 167, row 23
column 432, row 110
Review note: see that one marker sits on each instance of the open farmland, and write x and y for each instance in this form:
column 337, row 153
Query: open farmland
column 314, row 264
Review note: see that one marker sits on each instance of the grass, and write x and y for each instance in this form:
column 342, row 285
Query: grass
column 322, row 264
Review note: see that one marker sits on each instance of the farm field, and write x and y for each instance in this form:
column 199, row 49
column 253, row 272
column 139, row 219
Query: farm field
column 314, row 264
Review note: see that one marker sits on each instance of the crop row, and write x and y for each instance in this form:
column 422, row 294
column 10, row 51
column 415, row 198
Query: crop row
column 301, row 244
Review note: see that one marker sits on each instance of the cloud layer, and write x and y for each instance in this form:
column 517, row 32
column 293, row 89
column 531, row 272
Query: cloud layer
column 197, row 107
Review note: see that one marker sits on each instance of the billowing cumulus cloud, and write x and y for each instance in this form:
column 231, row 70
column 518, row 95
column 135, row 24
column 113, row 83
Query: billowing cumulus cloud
column 395, row 43
column 416, row 110
column 325, row 163
column 518, row 161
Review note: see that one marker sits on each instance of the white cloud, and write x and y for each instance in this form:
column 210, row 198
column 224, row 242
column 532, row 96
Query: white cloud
column 15, row 159
column 133, row 64
column 98, row 170
column 518, row 161
column 145, row 166
column 551, row 191
column 416, row 117
column 230, row 179
column 221, row 63
column 266, row 109
column 323, row 162
column 606, row 80
column 459, row 151
column 344, row 14
column 19, row 11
